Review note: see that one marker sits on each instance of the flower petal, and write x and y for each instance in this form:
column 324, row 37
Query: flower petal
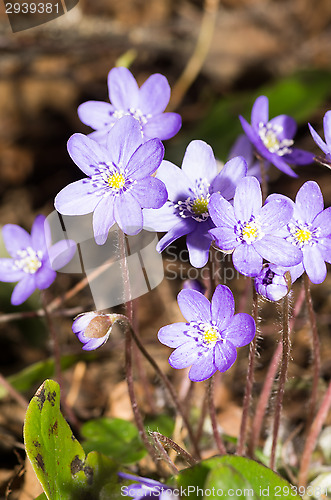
column 163, row 126
column 123, row 139
column 203, row 367
column 299, row 157
column 128, row 214
column 323, row 222
column 327, row 128
column 194, row 306
column 15, row 238
column 222, row 306
column 23, row 290
column 246, row 260
column 314, row 264
column 150, row 192
column 278, row 251
column 241, row 330
column 38, row 233
column 260, row 111
column 103, row 219
column 309, row 200
column 225, row 356
column 287, row 124
column 9, row 272
column 78, row 198
column 275, row 214
column 145, row 160
column 185, row 226
column 161, row 219
column 154, row 94
column 184, row 355
column 324, row 246
column 199, row 161
column 242, row 147
column 198, row 243
column 177, row 183
column 95, row 343
column 123, row 89
column 82, row 321
column 225, row 237
column 319, row 141
column 86, row 153
column 226, row 181
column 96, row 114
column 61, row 253
column 174, row 335
column 221, row 211
column 247, row 198
column 44, row 277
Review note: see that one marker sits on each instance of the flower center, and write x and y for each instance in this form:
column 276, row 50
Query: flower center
column 135, row 112
column 196, row 206
column 28, row 260
column 303, row 234
column 269, row 134
column 210, row 334
column 251, row 231
column 116, row 181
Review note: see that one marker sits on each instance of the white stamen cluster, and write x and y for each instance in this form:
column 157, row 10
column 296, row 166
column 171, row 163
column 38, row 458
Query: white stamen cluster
column 250, row 231
column 136, row 113
column 269, row 133
column 109, row 179
column 205, row 333
column 28, row 260
column 303, row 234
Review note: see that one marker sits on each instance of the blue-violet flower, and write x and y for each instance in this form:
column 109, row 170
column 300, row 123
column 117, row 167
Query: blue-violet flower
column 243, row 147
column 252, row 230
column 273, row 139
column 309, row 231
column 93, row 329
column 34, row 261
column 209, row 339
column 189, row 188
column 119, row 182
column 146, row 104
column 324, row 146
column 146, row 488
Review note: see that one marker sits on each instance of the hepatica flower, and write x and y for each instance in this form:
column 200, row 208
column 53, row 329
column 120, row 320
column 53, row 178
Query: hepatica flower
column 208, row 340
column 309, row 231
column 145, row 104
column 252, row 230
column 93, row 329
column 273, row 139
column 34, row 260
column 190, row 188
column 146, row 488
column 119, row 182
column 243, row 147
column 272, row 282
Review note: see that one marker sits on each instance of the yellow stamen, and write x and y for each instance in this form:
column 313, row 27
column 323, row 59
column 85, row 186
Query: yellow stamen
column 116, row 181
column 200, row 206
column 303, row 235
column 250, row 232
column 210, row 335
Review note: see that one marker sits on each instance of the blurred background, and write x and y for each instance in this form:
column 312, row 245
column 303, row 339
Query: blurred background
column 280, row 48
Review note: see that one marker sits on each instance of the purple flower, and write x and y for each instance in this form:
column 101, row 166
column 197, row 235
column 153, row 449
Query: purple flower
column 273, row 139
column 209, row 339
column 243, row 147
column 271, row 282
column 119, row 182
column 93, row 329
column 34, row 260
column 252, row 230
column 146, row 104
column 309, row 231
column 146, row 488
column 324, row 146
column 190, row 188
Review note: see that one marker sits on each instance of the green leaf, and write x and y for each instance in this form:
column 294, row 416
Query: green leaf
column 231, row 477
column 115, row 437
column 57, row 457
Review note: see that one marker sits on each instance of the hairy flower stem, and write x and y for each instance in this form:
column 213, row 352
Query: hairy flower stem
column 212, row 412
column 282, row 380
column 163, row 454
column 316, row 353
column 249, row 381
column 269, row 381
column 169, row 386
column 169, row 443
column 134, row 404
column 312, row 437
